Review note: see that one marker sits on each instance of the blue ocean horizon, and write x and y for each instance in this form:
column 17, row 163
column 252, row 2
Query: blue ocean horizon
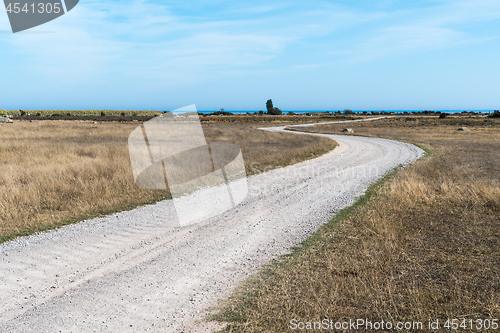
column 356, row 111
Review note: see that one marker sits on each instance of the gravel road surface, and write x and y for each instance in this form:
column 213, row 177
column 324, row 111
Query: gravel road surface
column 136, row 271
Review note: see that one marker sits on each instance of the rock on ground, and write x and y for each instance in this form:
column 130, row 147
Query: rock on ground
column 5, row 120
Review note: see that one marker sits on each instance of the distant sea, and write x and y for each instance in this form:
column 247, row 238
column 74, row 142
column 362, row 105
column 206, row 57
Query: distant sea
column 358, row 111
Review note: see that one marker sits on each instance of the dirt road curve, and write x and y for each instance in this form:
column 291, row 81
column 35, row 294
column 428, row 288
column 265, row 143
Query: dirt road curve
column 135, row 271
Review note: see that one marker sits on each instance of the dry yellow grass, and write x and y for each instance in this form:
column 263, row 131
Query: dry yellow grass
column 56, row 172
column 425, row 244
column 262, row 150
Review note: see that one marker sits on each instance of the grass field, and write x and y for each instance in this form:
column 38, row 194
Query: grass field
column 56, row 172
column 80, row 112
column 422, row 244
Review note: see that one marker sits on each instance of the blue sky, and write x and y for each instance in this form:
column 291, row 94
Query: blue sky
column 314, row 55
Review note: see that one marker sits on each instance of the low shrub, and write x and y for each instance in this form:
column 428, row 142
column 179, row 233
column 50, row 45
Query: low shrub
column 495, row 114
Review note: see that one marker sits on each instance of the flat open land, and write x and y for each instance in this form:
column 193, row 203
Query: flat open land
column 422, row 245
column 138, row 270
column 55, row 172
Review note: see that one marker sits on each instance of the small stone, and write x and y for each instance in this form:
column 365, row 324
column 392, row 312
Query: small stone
column 5, row 120
column 464, row 129
column 347, row 130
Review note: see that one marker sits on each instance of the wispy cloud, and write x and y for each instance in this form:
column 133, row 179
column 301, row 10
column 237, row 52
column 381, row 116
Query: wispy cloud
column 147, row 40
column 424, row 29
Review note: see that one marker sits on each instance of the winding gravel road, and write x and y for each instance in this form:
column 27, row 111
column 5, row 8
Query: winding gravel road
column 135, row 271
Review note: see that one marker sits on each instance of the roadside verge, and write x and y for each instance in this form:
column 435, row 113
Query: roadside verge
column 422, row 244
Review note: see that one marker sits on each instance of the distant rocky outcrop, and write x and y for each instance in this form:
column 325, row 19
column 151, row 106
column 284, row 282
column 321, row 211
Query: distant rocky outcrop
column 5, row 120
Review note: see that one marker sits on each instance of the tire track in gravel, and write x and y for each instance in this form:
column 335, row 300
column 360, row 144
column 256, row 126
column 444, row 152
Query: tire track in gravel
column 137, row 271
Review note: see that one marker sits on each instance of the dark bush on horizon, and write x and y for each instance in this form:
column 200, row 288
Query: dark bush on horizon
column 220, row 113
column 271, row 109
column 347, row 111
column 495, row 114
column 276, row 111
column 269, row 106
